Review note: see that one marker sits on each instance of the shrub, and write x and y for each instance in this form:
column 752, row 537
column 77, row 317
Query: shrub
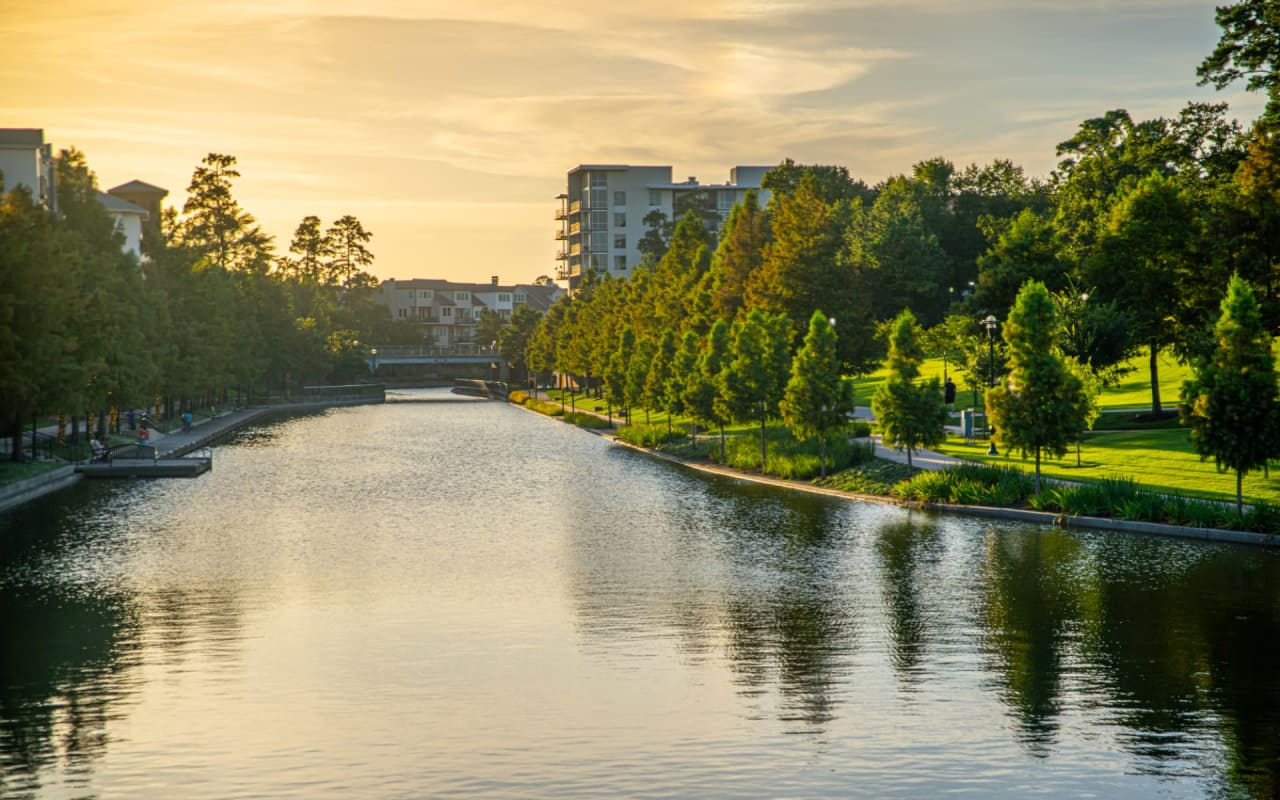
column 968, row 484
column 1263, row 518
column 584, row 420
column 543, row 407
column 650, row 435
column 876, row 476
column 792, row 459
column 518, row 397
column 860, row 430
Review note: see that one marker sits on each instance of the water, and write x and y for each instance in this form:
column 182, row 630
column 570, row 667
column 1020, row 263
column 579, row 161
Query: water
column 468, row 600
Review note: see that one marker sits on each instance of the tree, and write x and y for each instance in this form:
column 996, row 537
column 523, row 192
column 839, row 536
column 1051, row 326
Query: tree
column 659, row 375
column 1027, row 248
column 1230, row 402
column 214, row 225
column 739, row 255
column 514, row 339
column 1249, row 47
column 1041, row 407
column 1145, row 261
column 911, row 415
column 757, row 371
column 946, row 340
column 817, row 402
column 347, row 239
column 703, row 387
column 1095, row 332
column 312, row 249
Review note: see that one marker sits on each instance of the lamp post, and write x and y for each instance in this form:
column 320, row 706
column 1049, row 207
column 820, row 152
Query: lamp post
column 373, row 360
column 990, row 324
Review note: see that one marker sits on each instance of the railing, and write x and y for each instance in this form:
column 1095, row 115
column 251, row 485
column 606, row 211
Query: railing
column 424, row 351
column 575, row 207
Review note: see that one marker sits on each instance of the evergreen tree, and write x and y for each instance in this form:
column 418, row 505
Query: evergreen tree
column 347, row 239
column 739, row 255
column 703, row 389
column 911, row 415
column 214, row 225
column 756, row 374
column 817, row 402
column 1230, row 403
column 659, row 375
column 1042, row 406
column 312, row 249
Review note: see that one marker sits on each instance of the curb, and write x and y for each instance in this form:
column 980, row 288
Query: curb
column 19, row 492
column 988, row 512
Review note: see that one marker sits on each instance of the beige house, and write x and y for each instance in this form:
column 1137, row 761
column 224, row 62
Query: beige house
column 447, row 312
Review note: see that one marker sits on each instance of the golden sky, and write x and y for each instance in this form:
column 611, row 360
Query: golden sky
column 447, row 127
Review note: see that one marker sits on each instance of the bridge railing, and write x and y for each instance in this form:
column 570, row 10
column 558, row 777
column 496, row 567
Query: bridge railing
column 419, row 351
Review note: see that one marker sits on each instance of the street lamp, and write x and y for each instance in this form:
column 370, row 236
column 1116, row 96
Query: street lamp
column 990, row 324
column 373, row 360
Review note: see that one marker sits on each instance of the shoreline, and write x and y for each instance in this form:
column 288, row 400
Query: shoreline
column 1049, row 518
column 173, row 445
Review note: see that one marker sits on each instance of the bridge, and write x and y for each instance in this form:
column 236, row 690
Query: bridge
column 464, row 353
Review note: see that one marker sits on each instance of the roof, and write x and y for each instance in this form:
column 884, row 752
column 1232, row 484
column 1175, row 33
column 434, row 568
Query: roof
column 539, row 297
column 115, row 205
column 21, row 137
column 137, row 186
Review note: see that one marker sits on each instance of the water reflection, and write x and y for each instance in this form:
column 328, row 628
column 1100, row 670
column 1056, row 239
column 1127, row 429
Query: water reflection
column 503, row 601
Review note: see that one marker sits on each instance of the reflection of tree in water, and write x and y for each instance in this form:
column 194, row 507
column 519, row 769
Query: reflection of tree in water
column 739, row 567
column 63, row 659
column 906, row 548
column 1032, row 613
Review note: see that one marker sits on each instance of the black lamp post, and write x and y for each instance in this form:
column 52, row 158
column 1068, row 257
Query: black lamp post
column 990, row 324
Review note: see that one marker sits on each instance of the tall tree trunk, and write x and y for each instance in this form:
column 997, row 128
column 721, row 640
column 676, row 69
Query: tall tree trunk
column 908, row 463
column 822, row 456
column 1155, row 379
column 15, row 440
column 1240, row 492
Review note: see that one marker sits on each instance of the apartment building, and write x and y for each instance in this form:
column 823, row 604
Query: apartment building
column 447, row 312
column 602, row 211
column 27, row 160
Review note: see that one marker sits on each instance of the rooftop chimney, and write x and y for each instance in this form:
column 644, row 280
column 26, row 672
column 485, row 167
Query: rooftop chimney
column 494, row 280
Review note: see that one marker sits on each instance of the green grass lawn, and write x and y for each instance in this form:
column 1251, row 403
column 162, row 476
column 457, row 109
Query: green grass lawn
column 1133, row 391
column 1159, row 460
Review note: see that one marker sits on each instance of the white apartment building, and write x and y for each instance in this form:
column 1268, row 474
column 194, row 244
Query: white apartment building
column 447, row 312
column 602, row 211
column 27, row 160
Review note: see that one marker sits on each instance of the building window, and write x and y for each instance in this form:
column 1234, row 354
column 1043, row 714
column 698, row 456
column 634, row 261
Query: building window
column 619, row 263
column 447, row 311
column 462, row 297
column 599, row 180
column 504, row 298
column 619, row 220
column 599, row 220
column 726, row 200
column 619, row 198
column 620, row 241
column 655, row 197
column 520, row 300
column 401, row 313
column 599, row 241
column 598, row 200
column 595, row 261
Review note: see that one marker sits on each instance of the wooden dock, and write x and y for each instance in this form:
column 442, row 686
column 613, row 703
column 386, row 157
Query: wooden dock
column 148, row 468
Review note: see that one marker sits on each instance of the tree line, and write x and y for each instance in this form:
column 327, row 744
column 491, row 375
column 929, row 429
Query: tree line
column 1128, row 246
column 209, row 313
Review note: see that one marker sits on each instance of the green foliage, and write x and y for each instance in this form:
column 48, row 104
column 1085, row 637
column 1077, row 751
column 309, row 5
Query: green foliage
column 544, row 407
column 910, row 415
column 585, row 420
column 874, row 476
column 968, row 484
column 1230, row 403
column 1249, row 48
column 753, row 379
column 1043, row 406
column 816, row 402
column 791, row 459
column 652, row 436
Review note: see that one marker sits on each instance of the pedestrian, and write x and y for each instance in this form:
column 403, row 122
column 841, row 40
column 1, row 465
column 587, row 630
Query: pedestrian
column 133, row 419
column 949, row 393
column 186, row 422
column 144, row 436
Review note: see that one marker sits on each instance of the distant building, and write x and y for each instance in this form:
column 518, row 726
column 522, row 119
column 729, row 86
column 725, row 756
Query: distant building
column 148, row 199
column 603, row 208
column 26, row 160
column 447, row 312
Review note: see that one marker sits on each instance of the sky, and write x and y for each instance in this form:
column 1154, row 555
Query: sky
column 447, row 128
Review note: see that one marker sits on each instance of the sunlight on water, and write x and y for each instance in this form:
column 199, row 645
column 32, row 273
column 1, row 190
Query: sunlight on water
column 468, row 600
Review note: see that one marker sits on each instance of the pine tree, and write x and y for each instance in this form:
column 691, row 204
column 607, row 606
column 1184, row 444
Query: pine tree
column 911, row 415
column 817, row 402
column 1230, row 403
column 1042, row 406
column 757, row 371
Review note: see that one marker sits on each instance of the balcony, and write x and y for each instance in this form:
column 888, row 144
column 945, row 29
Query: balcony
column 561, row 235
column 561, row 214
column 575, row 207
column 575, row 229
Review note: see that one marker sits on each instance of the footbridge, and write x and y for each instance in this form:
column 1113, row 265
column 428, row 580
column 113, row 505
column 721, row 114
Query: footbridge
column 463, row 353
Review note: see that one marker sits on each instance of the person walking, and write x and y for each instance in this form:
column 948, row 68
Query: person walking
column 186, row 422
column 144, row 436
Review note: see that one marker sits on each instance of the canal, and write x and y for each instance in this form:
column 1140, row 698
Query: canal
column 472, row 601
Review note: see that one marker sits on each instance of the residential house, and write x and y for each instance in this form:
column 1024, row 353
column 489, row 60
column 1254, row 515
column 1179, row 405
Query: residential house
column 447, row 312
